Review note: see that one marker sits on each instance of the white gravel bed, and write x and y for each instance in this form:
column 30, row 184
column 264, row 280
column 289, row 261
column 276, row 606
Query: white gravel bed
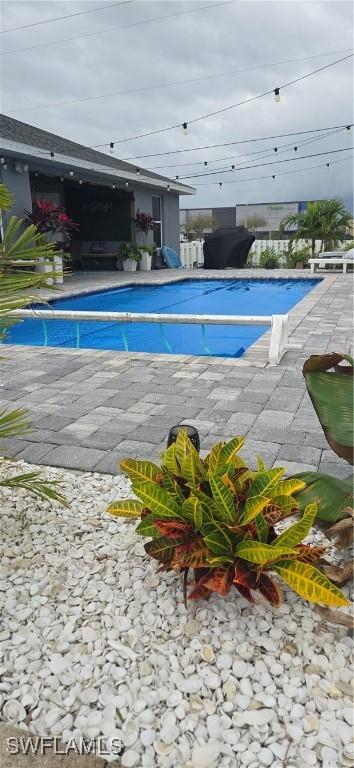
column 94, row 643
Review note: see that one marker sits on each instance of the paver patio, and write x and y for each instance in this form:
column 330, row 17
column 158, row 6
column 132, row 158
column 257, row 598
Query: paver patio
column 91, row 408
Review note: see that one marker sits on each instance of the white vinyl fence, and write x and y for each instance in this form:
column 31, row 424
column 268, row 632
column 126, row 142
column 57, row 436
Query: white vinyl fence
column 192, row 253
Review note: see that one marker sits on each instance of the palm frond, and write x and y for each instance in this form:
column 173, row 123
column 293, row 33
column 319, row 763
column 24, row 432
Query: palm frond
column 14, row 423
column 6, row 198
column 32, row 482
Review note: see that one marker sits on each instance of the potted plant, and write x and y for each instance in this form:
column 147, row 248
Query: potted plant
column 57, row 227
column 269, row 259
column 144, row 223
column 146, row 256
column 130, row 254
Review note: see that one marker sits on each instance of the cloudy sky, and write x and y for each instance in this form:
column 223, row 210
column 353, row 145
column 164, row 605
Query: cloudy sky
column 128, row 71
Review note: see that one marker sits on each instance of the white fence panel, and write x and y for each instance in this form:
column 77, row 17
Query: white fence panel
column 192, row 253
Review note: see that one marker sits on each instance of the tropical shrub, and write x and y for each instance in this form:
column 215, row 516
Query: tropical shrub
column 294, row 257
column 130, row 251
column 330, row 386
column 21, row 243
column 218, row 518
column 269, row 259
column 50, row 219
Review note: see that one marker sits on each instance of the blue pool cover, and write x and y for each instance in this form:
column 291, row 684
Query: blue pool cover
column 195, row 297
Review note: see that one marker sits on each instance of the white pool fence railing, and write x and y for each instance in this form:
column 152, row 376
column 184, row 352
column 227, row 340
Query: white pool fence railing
column 192, row 253
column 279, row 324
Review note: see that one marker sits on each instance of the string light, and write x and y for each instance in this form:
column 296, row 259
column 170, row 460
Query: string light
column 36, row 174
column 275, row 149
column 348, row 127
column 111, row 147
column 62, row 178
column 276, row 95
column 127, row 183
column 80, row 181
column 71, row 173
column 2, row 160
column 273, row 177
column 168, row 187
column 25, row 167
column 113, row 186
column 185, row 128
column 295, row 149
column 5, row 166
column 52, row 154
column 205, row 162
column 220, row 184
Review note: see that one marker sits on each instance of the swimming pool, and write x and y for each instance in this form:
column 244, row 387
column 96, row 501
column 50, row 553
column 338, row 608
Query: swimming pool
column 192, row 297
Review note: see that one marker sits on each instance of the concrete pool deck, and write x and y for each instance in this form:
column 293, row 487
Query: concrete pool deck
column 90, row 408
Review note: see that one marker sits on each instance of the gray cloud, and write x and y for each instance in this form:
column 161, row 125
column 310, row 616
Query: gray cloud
column 239, row 35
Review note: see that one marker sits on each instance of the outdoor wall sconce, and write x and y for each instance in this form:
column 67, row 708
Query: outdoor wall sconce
column 192, row 433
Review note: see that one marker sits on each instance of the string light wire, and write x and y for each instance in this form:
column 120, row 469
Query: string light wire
column 225, row 109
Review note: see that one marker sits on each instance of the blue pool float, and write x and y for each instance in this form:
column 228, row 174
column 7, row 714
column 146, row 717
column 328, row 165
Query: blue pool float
column 171, row 257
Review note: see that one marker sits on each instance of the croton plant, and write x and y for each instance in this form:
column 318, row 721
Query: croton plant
column 217, row 518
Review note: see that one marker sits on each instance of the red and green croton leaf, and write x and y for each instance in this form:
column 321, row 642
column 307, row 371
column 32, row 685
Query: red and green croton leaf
column 220, row 580
column 173, row 529
column 218, row 518
column 190, row 554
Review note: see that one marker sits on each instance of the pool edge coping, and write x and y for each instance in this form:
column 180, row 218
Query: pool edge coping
column 256, row 355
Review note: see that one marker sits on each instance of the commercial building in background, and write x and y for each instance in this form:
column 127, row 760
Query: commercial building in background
column 263, row 219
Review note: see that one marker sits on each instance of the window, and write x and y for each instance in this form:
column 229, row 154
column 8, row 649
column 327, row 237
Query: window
column 157, row 216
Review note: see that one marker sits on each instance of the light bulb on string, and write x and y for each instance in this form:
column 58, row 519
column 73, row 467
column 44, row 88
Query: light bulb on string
column 113, row 186
column 61, row 178
column 168, row 187
column 185, row 128
column 276, row 95
column 295, row 149
column 52, row 154
column 348, row 127
column 220, row 184
column 80, row 181
column 275, row 149
column 205, row 162
column 127, row 183
column 273, row 177
column 111, row 147
column 71, row 173
column 5, row 166
column 2, row 160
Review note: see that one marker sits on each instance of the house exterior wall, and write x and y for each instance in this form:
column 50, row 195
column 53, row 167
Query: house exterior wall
column 19, row 185
column 170, row 213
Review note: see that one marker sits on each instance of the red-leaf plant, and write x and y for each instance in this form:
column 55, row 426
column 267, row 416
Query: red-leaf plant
column 49, row 218
column 217, row 518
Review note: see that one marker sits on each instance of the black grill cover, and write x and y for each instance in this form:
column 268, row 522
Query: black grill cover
column 227, row 247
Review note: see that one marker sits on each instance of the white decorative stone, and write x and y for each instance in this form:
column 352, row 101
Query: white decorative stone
column 207, row 653
column 129, row 758
column 265, row 757
column 205, row 756
column 13, row 711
